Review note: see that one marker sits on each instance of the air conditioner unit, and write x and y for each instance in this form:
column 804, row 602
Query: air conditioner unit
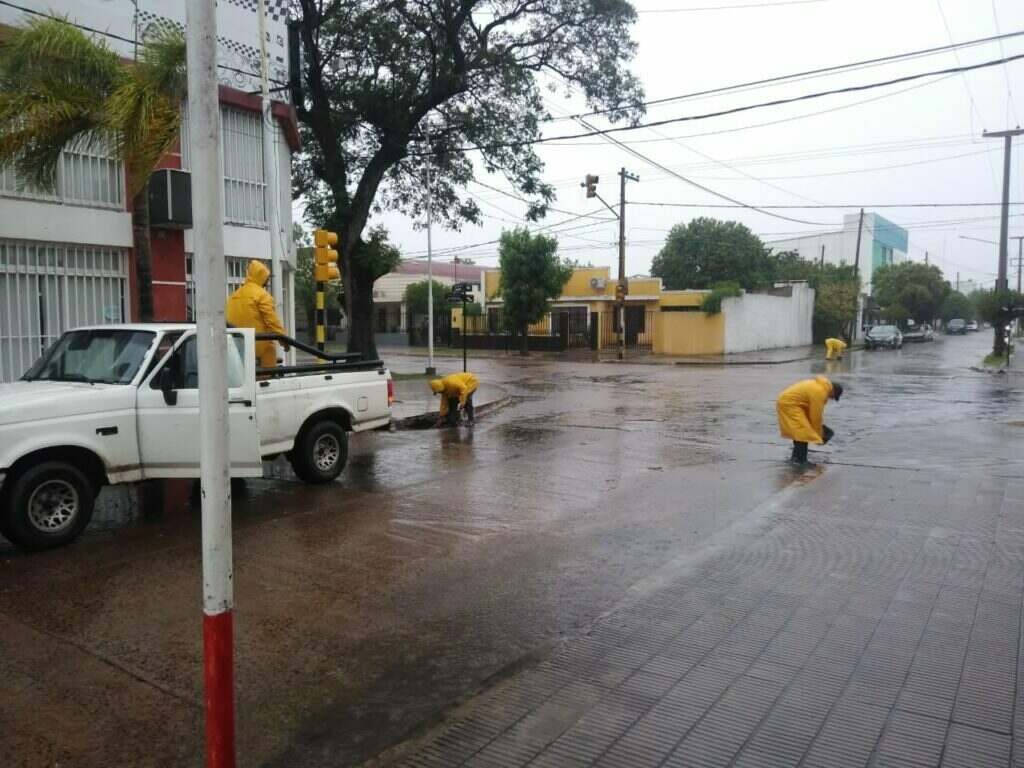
column 170, row 199
column 597, row 282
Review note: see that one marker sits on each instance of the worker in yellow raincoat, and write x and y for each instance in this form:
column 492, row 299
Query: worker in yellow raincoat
column 801, row 410
column 456, row 391
column 834, row 349
column 252, row 307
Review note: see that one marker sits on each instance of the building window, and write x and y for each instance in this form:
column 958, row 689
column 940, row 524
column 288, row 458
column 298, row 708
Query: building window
column 242, row 148
column 88, row 175
column 49, row 288
column 244, row 185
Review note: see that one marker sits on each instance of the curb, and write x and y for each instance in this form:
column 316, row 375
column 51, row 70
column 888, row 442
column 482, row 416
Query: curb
column 745, row 362
column 427, row 420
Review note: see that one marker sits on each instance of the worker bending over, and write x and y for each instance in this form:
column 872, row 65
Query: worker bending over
column 456, row 391
column 801, row 409
column 834, row 349
column 252, row 307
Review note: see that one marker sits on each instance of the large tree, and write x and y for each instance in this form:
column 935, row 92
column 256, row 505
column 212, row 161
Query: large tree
column 706, row 252
column 531, row 276
column 389, row 82
column 60, row 87
column 956, row 305
column 910, row 290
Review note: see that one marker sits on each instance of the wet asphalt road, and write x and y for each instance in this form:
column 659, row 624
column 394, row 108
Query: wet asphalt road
column 443, row 559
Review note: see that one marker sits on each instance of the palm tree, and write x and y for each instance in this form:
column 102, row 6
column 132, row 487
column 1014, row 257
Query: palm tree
column 58, row 86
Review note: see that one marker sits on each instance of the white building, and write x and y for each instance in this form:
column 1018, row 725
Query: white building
column 390, row 313
column 66, row 258
column 881, row 242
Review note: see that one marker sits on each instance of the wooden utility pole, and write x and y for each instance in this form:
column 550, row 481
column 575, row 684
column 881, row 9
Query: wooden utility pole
column 999, row 342
column 856, row 274
column 622, row 289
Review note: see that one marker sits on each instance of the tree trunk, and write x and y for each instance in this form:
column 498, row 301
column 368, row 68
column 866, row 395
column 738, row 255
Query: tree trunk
column 360, row 321
column 525, row 348
column 143, row 254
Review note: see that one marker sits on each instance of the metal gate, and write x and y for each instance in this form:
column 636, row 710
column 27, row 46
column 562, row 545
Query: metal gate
column 48, row 288
column 639, row 328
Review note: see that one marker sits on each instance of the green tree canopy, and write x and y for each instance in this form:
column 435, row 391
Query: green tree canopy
column 987, row 304
column 910, row 290
column 58, row 86
column 417, row 294
column 708, row 251
column 835, row 306
column 956, row 305
column 531, row 276
column 378, row 73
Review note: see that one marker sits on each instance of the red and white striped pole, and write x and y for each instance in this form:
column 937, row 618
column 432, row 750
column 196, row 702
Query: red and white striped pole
column 208, row 259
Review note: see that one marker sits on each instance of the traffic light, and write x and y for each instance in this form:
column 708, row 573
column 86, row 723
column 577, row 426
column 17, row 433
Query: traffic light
column 621, row 290
column 462, row 292
column 325, row 258
column 590, row 182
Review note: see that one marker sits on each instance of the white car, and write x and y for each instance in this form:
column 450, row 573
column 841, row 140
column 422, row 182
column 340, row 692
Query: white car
column 119, row 403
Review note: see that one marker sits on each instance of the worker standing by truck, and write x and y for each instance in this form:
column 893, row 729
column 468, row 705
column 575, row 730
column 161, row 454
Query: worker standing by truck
column 456, row 391
column 251, row 306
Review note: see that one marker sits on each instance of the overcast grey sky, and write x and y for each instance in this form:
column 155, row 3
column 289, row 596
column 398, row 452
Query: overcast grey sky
column 848, row 155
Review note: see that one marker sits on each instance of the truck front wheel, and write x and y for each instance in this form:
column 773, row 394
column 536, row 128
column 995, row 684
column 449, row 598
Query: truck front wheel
column 48, row 506
column 320, row 453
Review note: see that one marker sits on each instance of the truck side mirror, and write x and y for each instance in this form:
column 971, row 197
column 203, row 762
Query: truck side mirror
column 167, row 385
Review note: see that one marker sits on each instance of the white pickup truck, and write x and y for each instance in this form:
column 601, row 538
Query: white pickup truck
column 119, row 403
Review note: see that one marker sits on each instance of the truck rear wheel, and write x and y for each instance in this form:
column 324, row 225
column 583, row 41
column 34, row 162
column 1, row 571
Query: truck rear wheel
column 48, row 506
column 320, row 453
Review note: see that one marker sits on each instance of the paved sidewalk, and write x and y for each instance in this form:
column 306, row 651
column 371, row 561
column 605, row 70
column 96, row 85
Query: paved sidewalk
column 865, row 617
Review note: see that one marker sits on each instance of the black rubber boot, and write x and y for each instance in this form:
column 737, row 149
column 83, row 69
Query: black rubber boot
column 799, row 453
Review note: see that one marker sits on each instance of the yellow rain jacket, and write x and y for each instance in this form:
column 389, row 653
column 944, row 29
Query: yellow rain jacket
column 460, row 385
column 252, row 307
column 801, row 408
column 834, row 348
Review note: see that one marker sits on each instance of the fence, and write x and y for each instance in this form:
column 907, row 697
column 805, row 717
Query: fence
column 494, row 331
column 639, row 329
column 47, row 288
column 418, row 330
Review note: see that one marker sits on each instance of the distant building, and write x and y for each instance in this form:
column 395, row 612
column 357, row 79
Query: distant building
column 389, row 311
column 881, row 242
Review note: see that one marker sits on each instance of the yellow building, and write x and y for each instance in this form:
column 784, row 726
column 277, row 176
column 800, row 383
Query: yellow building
column 666, row 322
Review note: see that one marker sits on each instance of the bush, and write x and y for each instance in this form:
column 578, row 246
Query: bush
column 712, row 303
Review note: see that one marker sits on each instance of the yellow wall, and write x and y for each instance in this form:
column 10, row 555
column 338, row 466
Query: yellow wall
column 649, row 286
column 682, row 298
column 689, row 333
column 492, row 280
column 579, row 283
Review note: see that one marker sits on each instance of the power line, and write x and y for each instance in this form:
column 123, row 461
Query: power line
column 736, row 110
column 751, row 6
column 810, row 73
column 820, row 206
column 119, row 38
column 1010, row 106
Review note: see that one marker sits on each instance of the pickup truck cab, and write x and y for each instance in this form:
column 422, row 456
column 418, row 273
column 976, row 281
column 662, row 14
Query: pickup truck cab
column 119, row 403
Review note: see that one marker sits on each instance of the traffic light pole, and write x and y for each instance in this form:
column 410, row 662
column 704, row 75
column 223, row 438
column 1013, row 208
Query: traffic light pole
column 464, row 318
column 214, row 438
column 321, row 318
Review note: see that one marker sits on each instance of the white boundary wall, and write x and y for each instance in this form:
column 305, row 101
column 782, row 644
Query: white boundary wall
column 762, row 321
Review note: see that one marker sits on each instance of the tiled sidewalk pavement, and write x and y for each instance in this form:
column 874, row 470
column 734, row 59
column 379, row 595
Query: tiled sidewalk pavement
column 874, row 620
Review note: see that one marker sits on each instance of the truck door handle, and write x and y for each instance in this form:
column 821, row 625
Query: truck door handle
column 246, row 403
column 106, row 431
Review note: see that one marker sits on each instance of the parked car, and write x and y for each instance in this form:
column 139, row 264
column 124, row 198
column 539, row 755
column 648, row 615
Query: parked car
column 956, row 327
column 120, row 403
column 884, row 336
column 919, row 333
column 972, row 325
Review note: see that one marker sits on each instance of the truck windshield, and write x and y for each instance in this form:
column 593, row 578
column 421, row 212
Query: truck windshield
column 98, row 356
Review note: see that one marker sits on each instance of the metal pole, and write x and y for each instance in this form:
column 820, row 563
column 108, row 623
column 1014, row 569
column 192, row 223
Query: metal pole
column 431, row 370
column 321, row 317
column 822, row 265
column 856, row 273
column 1002, row 284
column 464, row 319
column 621, row 309
column 1020, row 259
column 273, row 189
column 209, row 265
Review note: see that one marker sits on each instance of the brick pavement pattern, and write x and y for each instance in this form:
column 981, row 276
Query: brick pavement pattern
column 874, row 620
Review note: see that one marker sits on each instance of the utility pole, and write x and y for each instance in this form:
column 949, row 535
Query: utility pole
column 622, row 289
column 856, row 274
column 822, row 264
column 1004, row 228
column 431, row 370
column 958, row 282
column 1020, row 257
column 214, row 439
column 926, row 258
column 273, row 188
